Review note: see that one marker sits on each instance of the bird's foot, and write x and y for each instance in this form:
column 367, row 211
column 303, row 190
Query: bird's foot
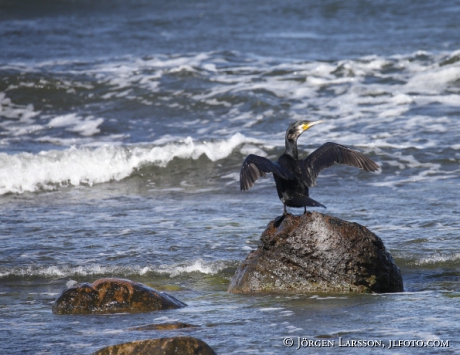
column 279, row 220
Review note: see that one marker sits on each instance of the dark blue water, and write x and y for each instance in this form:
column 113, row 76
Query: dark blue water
column 123, row 126
column 326, row 30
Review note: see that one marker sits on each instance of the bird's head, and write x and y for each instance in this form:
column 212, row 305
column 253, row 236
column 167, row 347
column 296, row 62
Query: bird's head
column 295, row 129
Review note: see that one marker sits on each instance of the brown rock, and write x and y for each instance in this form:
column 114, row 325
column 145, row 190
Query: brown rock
column 112, row 296
column 162, row 346
column 315, row 252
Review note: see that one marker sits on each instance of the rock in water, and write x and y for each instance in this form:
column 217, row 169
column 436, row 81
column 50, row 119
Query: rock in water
column 315, row 252
column 162, row 346
column 165, row 326
column 113, row 296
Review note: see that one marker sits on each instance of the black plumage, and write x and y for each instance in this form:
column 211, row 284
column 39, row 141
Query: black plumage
column 292, row 176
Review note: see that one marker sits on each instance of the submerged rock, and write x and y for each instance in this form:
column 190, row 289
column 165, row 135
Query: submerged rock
column 315, row 252
column 112, row 296
column 165, row 326
column 162, row 346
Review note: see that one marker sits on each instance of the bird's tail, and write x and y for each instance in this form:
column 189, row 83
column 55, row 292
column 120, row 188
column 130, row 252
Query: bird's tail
column 305, row 201
column 313, row 203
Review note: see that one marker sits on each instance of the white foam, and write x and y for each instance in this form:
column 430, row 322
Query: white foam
column 252, row 149
column 205, row 267
column 64, row 120
column 9, row 110
column 190, row 149
column 68, row 271
column 21, row 120
column 437, row 258
column 432, row 80
column 85, row 126
column 199, row 265
column 270, row 309
column 17, row 119
column 63, row 271
column 357, row 98
column 48, row 170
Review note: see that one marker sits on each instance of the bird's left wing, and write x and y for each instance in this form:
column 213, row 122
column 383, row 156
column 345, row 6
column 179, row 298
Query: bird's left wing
column 330, row 153
column 255, row 167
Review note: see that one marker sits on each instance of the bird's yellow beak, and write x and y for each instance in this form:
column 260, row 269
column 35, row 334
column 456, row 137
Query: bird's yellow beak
column 306, row 126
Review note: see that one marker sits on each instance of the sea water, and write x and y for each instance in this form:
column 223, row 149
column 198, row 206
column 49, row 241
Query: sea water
column 123, row 126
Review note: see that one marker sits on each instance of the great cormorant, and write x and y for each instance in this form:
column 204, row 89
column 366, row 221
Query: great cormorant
column 292, row 176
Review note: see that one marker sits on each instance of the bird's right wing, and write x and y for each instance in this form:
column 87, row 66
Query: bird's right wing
column 255, row 167
column 329, row 154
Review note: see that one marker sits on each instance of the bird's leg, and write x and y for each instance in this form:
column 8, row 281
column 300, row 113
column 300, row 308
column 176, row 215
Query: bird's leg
column 280, row 219
column 304, row 209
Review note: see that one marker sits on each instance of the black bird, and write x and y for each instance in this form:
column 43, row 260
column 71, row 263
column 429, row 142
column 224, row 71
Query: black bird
column 292, row 176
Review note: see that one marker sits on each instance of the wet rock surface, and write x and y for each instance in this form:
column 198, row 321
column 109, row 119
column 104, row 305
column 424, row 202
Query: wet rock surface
column 314, row 252
column 113, row 295
column 162, row 346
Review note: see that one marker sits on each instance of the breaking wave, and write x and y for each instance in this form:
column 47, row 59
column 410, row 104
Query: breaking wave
column 26, row 172
column 194, row 266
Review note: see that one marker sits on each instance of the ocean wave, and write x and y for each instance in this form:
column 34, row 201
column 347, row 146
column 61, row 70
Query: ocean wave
column 194, row 266
column 375, row 103
column 88, row 126
column 54, row 169
column 22, row 120
column 48, row 170
column 366, row 97
column 199, row 265
column 438, row 259
column 68, row 271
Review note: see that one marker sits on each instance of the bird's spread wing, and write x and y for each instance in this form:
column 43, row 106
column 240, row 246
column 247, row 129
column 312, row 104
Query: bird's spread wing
column 330, row 153
column 255, row 167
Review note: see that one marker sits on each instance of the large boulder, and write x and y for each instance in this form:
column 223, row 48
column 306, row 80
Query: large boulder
column 314, row 253
column 162, row 346
column 113, row 296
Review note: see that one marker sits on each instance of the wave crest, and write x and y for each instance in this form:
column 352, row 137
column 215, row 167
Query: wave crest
column 199, row 265
column 26, row 172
